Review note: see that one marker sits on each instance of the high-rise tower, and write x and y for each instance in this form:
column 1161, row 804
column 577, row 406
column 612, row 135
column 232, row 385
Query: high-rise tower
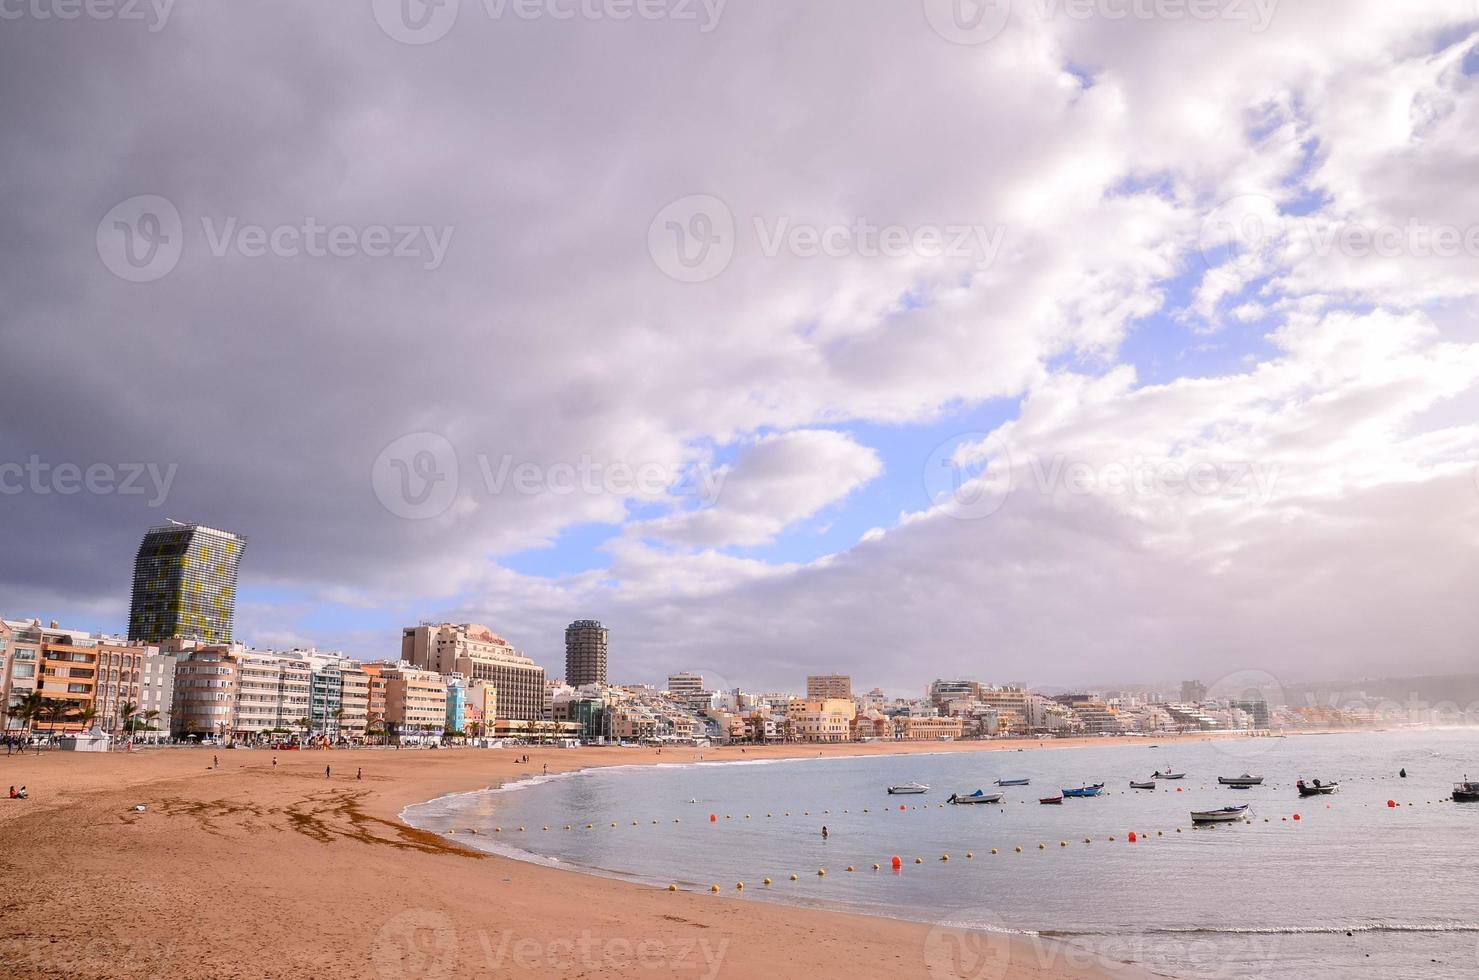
column 185, row 584
column 585, row 652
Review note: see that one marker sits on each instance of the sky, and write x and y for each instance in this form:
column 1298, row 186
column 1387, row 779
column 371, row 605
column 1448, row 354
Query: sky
column 1053, row 341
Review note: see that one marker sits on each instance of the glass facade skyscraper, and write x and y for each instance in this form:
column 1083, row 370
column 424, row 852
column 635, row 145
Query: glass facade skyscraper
column 185, row 584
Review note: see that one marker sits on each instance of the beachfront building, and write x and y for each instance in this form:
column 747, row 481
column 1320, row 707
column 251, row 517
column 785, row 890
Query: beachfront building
column 820, row 719
column 824, row 686
column 206, row 679
column 587, row 645
column 156, row 695
column 919, row 728
column 482, row 707
column 415, row 704
column 260, row 706
column 479, row 654
column 184, row 584
column 354, row 700
column 456, row 718
column 85, row 679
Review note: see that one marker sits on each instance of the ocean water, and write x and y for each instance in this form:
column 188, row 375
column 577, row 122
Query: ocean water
column 1354, row 888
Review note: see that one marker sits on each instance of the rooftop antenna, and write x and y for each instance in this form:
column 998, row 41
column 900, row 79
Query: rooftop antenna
column 175, row 522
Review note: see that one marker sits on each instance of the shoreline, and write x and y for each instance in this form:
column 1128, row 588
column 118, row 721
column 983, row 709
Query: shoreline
column 240, row 850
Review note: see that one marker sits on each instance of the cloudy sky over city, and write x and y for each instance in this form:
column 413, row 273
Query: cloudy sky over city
column 1061, row 341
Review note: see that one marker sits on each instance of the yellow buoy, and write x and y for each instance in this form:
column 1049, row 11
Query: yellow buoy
column 590, row 826
column 739, row 886
column 1042, row 847
column 919, row 860
column 1019, row 850
column 793, row 877
column 497, row 830
column 714, row 889
column 672, row 888
column 767, row 881
column 821, row 872
column 875, row 867
column 1063, row 843
column 968, row 855
column 993, row 850
column 849, row 867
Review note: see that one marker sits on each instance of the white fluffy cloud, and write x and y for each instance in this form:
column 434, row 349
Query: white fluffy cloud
column 1106, row 165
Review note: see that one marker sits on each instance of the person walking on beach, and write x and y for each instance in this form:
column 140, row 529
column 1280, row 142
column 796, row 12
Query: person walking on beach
column 326, row 772
column 274, row 762
column 546, row 768
column 359, row 773
column 215, row 762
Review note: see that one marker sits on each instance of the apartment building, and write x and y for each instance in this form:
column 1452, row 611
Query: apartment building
column 206, row 682
column 479, row 654
column 821, row 719
column 914, row 728
column 415, row 703
column 823, row 686
column 156, row 694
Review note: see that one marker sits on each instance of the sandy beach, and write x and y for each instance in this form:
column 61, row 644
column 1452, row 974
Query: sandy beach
column 254, row 871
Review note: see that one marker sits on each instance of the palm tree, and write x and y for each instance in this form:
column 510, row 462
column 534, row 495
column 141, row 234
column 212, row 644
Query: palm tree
column 85, row 715
column 338, row 716
column 127, row 711
column 28, row 710
column 54, row 711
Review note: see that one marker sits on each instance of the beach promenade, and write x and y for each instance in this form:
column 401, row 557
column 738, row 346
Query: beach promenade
column 250, row 870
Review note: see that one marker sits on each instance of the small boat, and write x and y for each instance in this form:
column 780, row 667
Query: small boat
column 1085, row 790
column 1052, row 800
column 1135, row 785
column 1013, row 782
column 1466, row 792
column 907, row 789
column 1227, row 814
column 979, row 796
column 1168, row 775
column 1316, row 788
column 1244, row 780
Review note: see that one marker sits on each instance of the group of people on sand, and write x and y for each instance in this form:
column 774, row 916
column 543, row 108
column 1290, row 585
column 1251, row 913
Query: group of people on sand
column 19, row 794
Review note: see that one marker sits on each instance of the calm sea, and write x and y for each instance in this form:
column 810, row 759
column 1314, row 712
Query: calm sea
column 1272, row 898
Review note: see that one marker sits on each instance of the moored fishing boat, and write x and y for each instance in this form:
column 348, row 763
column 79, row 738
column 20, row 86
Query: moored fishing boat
column 1135, row 785
column 1465, row 792
column 1051, row 800
column 1244, row 780
column 1094, row 790
column 1013, row 782
column 1315, row 788
column 908, row 789
column 1168, row 774
column 979, row 796
column 1227, row 814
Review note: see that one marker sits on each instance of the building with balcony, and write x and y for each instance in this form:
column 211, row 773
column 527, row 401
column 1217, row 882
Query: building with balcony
column 184, row 584
column 479, row 654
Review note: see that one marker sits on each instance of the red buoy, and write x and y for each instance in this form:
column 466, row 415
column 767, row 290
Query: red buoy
column 1132, row 838
column 896, row 862
column 1391, row 803
column 713, row 818
column 1296, row 816
column 902, row 807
